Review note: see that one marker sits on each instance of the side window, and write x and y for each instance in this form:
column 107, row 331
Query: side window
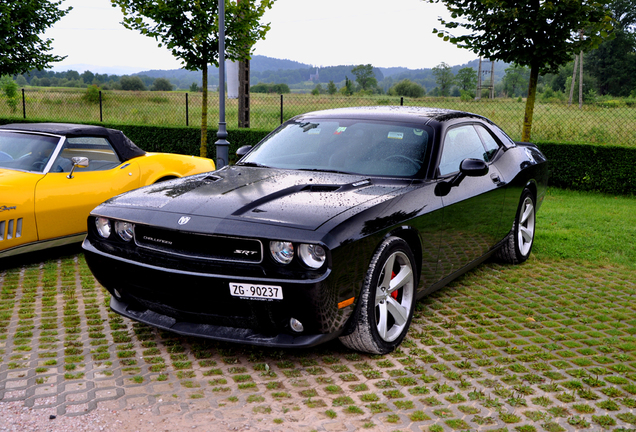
column 460, row 143
column 98, row 150
column 489, row 142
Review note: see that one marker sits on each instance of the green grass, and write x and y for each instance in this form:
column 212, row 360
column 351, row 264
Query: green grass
column 552, row 121
column 585, row 226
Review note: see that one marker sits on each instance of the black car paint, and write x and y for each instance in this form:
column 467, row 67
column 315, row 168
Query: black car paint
column 348, row 214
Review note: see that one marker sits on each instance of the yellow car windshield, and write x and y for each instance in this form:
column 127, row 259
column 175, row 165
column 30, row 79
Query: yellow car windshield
column 26, row 152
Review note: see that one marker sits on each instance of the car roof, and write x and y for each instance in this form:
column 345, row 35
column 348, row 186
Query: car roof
column 124, row 147
column 393, row 113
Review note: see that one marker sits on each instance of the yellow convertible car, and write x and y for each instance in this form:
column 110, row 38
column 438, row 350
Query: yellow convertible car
column 52, row 175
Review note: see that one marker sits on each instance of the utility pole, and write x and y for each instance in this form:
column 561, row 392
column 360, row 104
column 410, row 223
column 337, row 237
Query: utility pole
column 244, row 91
column 490, row 86
column 222, row 146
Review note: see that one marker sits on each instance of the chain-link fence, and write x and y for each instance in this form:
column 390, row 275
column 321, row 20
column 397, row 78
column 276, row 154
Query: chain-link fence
column 608, row 122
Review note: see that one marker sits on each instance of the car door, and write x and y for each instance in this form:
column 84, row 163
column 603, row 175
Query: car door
column 472, row 209
column 62, row 204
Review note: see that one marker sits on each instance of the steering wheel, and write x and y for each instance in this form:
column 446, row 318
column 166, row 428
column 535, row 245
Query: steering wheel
column 417, row 164
column 38, row 166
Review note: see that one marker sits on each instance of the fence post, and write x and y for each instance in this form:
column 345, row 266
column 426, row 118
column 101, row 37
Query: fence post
column 100, row 106
column 23, row 106
column 187, row 116
column 281, row 109
column 402, row 101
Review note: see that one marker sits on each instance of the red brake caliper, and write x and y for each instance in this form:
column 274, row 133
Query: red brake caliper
column 394, row 294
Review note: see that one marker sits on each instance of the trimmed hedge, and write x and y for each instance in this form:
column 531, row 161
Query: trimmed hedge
column 587, row 167
column 186, row 140
column 181, row 140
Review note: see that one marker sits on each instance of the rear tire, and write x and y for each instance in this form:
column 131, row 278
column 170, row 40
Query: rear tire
column 387, row 300
column 518, row 244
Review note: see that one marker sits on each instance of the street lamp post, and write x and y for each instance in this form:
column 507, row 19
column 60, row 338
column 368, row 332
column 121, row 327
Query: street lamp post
column 222, row 146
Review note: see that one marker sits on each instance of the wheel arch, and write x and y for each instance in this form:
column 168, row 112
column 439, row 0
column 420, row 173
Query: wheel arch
column 412, row 238
column 531, row 185
column 165, row 178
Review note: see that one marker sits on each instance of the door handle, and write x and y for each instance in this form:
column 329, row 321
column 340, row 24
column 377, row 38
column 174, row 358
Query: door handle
column 497, row 180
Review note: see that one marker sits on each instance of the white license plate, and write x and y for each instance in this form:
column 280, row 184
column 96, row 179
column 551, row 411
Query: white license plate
column 256, row 291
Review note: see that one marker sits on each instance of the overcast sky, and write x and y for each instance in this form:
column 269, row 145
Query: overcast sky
column 384, row 33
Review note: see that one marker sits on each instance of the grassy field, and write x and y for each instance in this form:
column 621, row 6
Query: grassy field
column 553, row 121
column 587, row 227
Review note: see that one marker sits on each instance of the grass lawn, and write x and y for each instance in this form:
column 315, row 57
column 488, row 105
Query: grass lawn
column 585, row 226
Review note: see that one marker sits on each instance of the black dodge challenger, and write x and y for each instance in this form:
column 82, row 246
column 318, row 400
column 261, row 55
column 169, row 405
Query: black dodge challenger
column 334, row 225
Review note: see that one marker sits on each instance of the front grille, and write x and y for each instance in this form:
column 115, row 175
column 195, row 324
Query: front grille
column 212, row 247
column 11, row 228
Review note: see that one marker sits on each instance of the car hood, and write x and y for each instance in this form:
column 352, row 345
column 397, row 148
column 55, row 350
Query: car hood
column 301, row 199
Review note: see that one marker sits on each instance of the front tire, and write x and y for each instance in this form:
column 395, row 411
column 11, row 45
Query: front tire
column 518, row 244
column 387, row 300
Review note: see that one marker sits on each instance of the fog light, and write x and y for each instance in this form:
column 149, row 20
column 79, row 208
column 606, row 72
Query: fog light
column 296, row 325
column 117, row 293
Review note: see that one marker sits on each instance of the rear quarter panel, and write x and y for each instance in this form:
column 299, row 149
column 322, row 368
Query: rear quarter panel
column 156, row 166
column 522, row 167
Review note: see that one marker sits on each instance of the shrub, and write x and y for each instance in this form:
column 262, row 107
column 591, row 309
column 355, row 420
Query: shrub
column 10, row 90
column 407, row 88
column 91, row 95
column 161, row 84
column 131, row 83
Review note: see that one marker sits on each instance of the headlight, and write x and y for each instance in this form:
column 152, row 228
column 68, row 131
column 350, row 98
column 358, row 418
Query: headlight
column 125, row 230
column 283, row 252
column 312, row 255
column 103, row 226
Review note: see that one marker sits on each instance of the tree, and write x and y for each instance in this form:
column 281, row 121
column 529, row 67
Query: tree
column 189, row 29
column 317, row 90
column 407, row 88
column 331, row 88
column 613, row 64
column 365, row 77
column 21, row 81
column 541, row 35
column 131, row 83
column 88, row 77
column 21, row 23
column 444, row 78
column 466, row 79
column 161, row 84
column 347, row 89
column 515, row 80
column 10, row 90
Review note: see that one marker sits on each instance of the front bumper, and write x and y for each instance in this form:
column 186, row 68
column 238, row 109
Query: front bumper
column 220, row 333
column 200, row 304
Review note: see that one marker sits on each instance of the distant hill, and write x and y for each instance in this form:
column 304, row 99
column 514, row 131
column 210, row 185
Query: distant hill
column 182, row 78
column 276, row 71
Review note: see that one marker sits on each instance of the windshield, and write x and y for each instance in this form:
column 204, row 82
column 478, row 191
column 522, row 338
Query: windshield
column 26, row 152
column 350, row 146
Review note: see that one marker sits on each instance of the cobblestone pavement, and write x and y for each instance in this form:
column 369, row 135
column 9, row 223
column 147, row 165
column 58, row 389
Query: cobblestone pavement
column 543, row 346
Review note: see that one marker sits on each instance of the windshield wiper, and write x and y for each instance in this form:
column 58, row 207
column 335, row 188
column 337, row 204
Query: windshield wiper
column 324, row 170
column 252, row 164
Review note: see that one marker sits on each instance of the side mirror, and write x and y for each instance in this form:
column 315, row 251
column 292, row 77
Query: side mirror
column 473, row 168
column 468, row 168
column 78, row 162
column 242, row 151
